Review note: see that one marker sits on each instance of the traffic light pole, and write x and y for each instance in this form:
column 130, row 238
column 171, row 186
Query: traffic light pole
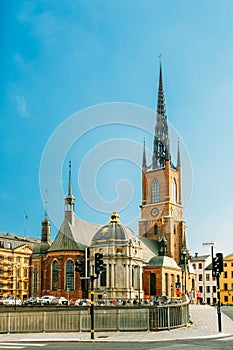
column 92, row 308
column 219, row 304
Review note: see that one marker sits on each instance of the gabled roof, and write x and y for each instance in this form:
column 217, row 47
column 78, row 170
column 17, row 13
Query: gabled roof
column 199, row 258
column 149, row 248
column 74, row 237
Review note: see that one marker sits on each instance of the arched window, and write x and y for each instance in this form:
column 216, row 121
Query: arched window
column 55, row 275
column 69, row 275
column 155, row 195
column 152, row 284
column 174, row 190
column 35, row 281
column 103, row 277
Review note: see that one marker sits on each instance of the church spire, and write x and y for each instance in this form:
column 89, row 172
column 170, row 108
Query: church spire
column 69, row 200
column 178, row 165
column 161, row 139
column 144, row 163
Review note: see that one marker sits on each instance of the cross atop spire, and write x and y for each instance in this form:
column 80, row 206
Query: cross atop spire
column 161, row 139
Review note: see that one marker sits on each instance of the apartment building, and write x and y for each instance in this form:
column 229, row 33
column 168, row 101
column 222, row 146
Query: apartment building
column 205, row 283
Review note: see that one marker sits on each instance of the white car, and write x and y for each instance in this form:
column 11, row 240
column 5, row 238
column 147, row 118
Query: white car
column 11, row 301
column 46, row 299
column 60, row 301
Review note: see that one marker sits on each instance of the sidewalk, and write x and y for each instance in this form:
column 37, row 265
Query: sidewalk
column 205, row 325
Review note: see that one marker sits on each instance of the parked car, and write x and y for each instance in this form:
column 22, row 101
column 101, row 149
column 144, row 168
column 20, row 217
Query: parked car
column 59, row 301
column 32, row 301
column 46, row 299
column 10, row 301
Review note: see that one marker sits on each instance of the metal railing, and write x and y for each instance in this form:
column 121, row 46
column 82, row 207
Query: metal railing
column 152, row 318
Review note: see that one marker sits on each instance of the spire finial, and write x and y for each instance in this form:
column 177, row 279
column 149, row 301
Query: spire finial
column 178, row 154
column 69, row 184
column 160, row 58
column 144, row 163
column 69, row 200
column 46, row 203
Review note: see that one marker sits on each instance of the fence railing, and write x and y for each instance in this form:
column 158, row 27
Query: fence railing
column 151, row 318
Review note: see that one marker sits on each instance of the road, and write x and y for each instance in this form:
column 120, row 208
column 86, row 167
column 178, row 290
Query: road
column 207, row 344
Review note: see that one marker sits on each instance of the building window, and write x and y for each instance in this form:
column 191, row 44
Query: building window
column 194, row 266
column 174, row 191
column 207, row 289
column 55, row 275
column 207, row 277
column 155, row 195
column 156, row 229
column 35, row 281
column 103, row 277
column 225, row 274
column 214, row 289
column 225, row 264
column 25, row 273
column 225, row 286
column 26, row 260
column 231, row 286
column 200, row 289
column 69, row 275
column 231, row 274
column 200, row 277
column 152, row 284
column 18, row 259
column 226, row 298
column 200, row 265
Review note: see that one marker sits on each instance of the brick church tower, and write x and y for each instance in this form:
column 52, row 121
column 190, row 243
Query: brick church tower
column 161, row 208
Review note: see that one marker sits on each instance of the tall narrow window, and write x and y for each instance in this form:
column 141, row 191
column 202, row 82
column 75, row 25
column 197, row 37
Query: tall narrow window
column 55, row 275
column 103, row 277
column 152, row 284
column 35, row 281
column 155, row 195
column 174, row 190
column 69, row 275
column 156, row 230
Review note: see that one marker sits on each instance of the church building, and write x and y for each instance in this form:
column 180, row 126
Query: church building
column 155, row 262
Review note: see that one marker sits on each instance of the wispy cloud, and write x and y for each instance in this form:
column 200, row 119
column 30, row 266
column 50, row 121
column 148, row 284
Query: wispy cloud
column 22, row 107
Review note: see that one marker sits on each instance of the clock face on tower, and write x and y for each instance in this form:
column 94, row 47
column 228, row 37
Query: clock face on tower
column 154, row 211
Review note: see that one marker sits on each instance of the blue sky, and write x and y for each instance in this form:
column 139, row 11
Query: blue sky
column 61, row 58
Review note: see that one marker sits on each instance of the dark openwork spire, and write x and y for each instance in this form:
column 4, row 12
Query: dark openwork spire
column 144, row 163
column 161, row 139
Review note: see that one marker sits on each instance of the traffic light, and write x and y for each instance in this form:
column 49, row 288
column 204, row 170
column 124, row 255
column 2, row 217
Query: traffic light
column 79, row 267
column 217, row 264
column 98, row 263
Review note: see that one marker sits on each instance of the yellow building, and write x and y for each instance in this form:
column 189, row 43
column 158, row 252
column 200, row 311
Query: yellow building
column 15, row 268
column 226, row 281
